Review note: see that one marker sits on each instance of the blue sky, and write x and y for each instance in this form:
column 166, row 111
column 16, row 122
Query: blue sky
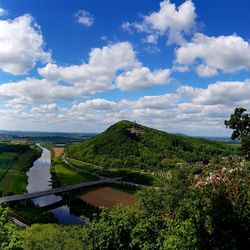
column 180, row 66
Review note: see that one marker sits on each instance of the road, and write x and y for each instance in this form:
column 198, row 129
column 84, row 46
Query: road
column 28, row 196
column 102, row 180
column 18, row 222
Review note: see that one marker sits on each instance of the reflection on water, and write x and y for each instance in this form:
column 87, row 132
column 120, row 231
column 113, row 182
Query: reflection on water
column 46, row 200
column 39, row 179
column 64, row 217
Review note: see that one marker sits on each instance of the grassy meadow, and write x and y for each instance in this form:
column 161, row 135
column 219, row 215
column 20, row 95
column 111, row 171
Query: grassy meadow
column 13, row 178
column 63, row 175
column 6, row 160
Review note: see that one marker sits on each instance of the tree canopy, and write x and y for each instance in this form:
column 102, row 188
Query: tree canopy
column 145, row 148
column 240, row 123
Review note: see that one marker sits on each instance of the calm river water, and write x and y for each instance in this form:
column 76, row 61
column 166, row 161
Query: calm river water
column 39, row 179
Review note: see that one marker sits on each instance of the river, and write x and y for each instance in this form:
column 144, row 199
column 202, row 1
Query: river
column 39, row 179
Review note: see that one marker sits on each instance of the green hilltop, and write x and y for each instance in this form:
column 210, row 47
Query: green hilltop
column 127, row 144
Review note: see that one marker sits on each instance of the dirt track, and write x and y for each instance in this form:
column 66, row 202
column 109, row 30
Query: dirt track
column 108, row 197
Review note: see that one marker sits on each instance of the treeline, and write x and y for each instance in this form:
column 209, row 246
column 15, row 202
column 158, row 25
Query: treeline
column 182, row 215
column 16, row 148
column 147, row 148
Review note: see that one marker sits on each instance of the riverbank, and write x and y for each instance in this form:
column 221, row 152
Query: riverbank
column 50, row 171
column 15, row 179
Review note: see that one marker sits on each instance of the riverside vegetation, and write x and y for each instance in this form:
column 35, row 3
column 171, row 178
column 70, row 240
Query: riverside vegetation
column 203, row 203
column 15, row 160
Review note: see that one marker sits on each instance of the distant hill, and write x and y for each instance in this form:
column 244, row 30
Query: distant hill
column 222, row 139
column 54, row 137
column 126, row 144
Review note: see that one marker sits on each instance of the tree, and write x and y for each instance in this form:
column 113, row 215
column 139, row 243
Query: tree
column 9, row 237
column 240, row 123
column 51, row 236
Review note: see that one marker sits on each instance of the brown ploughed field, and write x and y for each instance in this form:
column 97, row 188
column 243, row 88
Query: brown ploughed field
column 58, row 151
column 108, row 197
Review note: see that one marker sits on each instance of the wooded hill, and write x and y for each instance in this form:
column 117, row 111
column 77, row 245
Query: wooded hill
column 126, row 144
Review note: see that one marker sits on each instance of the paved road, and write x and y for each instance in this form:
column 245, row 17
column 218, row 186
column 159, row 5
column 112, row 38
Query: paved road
column 27, row 196
column 18, row 222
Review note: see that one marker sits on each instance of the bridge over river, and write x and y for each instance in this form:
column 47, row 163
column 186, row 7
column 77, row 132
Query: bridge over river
column 27, row 196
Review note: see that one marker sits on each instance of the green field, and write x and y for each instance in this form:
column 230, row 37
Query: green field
column 6, row 160
column 84, row 166
column 68, row 176
column 15, row 180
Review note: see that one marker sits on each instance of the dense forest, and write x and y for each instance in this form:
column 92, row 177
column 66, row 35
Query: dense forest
column 126, row 144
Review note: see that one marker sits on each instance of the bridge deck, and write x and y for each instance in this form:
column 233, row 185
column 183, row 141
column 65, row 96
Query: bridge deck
column 27, row 196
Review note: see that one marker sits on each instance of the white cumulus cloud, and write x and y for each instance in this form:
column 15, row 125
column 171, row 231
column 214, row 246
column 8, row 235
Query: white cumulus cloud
column 32, row 90
column 171, row 21
column 112, row 66
column 45, row 109
column 212, row 54
column 21, row 45
column 142, row 78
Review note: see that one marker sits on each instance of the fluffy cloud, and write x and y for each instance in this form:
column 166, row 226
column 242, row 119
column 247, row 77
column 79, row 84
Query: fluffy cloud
column 227, row 93
column 172, row 21
column 2, row 11
column 198, row 110
column 45, row 109
column 21, row 45
column 225, row 53
column 102, row 71
column 33, row 90
column 94, row 104
column 142, row 78
column 157, row 102
column 85, row 18
column 193, row 110
column 99, row 74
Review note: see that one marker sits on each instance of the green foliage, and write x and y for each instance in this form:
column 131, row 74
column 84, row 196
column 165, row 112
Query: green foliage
column 166, row 200
column 129, row 175
column 179, row 216
column 213, row 213
column 52, row 237
column 245, row 146
column 6, row 160
column 63, row 175
column 171, row 161
column 84, row 166
column 123, row 228
column 240, row 123
column 9, row 237
column 31, row 213
column 148, row 148
column 220, row 211
column 14, row 180
column 179, row 235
